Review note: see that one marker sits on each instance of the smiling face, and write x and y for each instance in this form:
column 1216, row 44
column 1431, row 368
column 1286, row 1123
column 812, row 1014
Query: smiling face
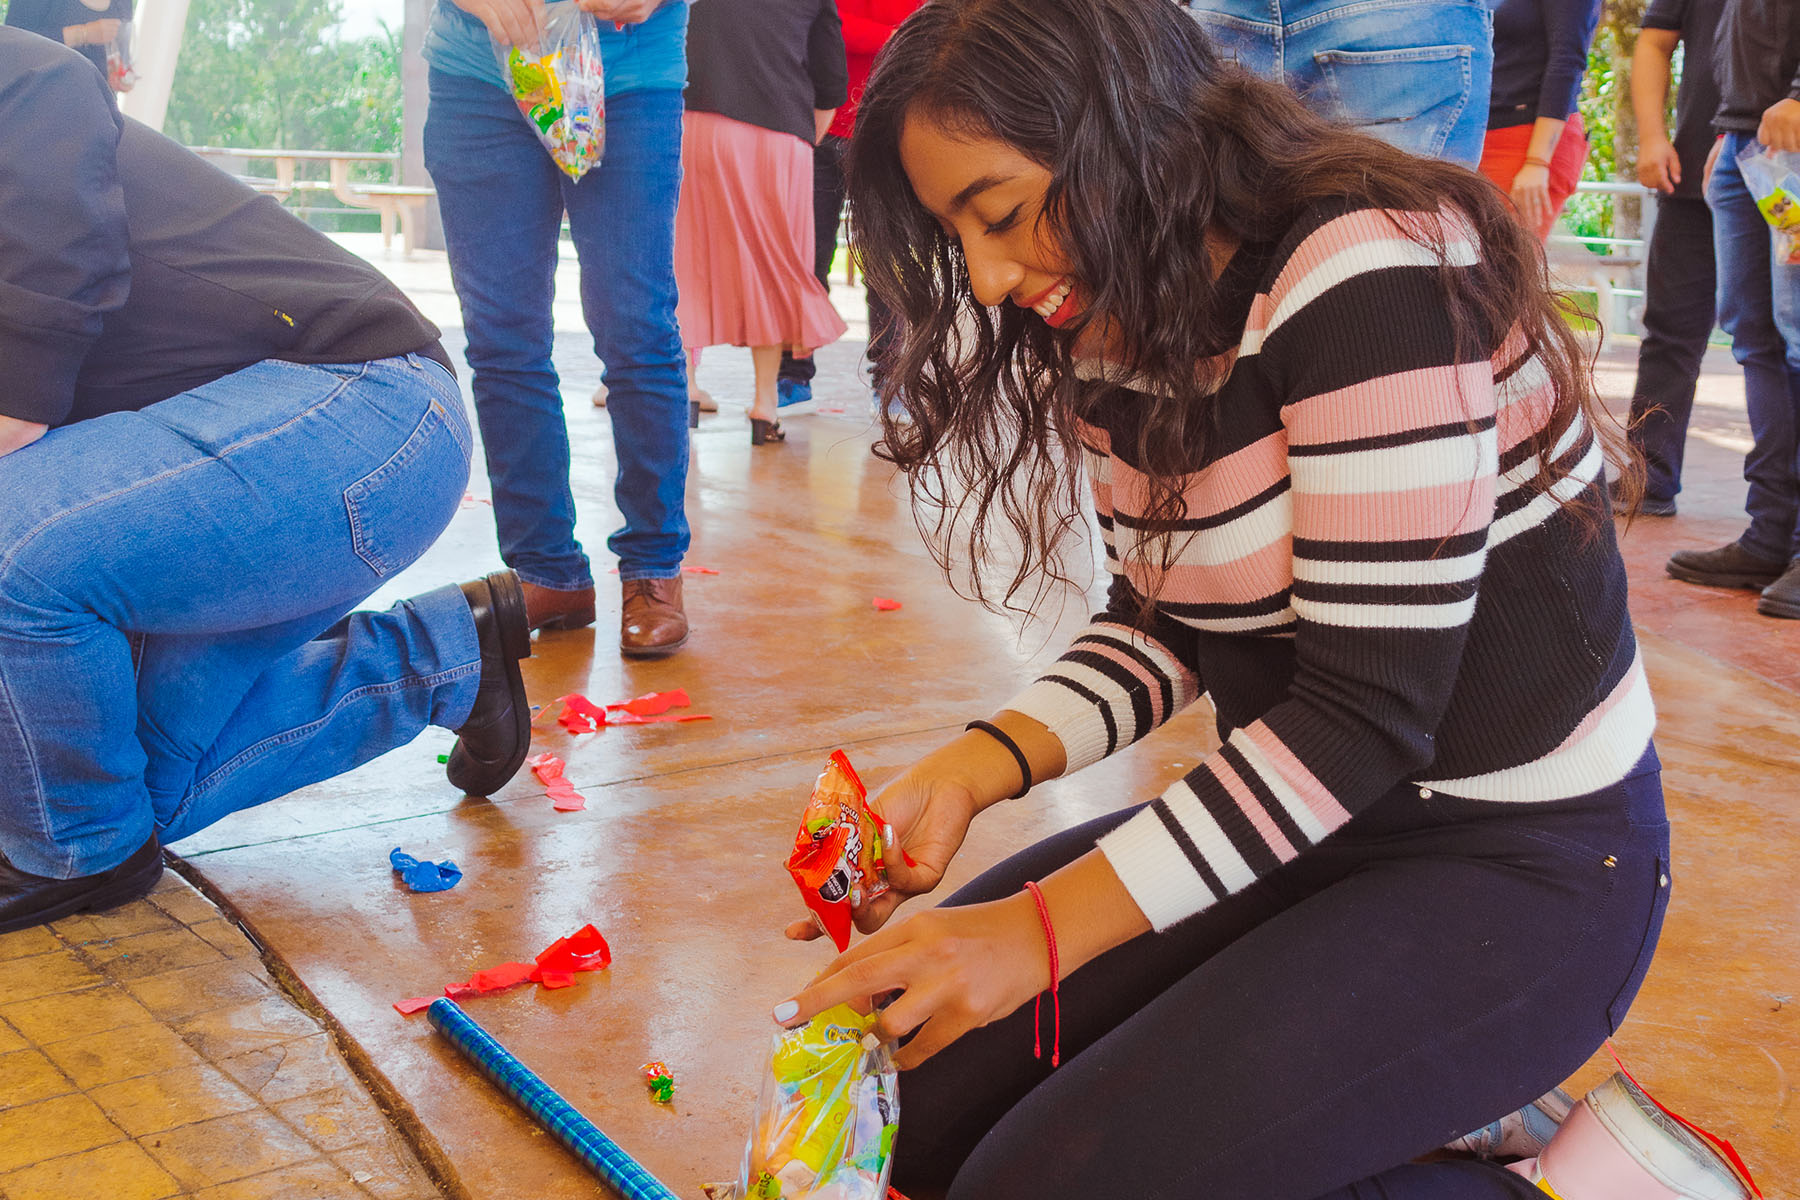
column 989, row 198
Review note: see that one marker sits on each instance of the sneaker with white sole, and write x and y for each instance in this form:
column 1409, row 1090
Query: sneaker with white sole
column 1618, row 1145
column 1520, row 1134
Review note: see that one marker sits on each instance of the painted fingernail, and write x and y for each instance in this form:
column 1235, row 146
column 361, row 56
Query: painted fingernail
column 786, row 1011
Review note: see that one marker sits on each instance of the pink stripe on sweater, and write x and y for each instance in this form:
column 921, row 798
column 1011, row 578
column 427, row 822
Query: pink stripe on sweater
column 1151, row 681
column 1267, row 571
column 1519, row 420
column 1316, row 796
column 1360, row 228
column 1254, row 812
column 1223, row 485
column 1388, row 404
column 1430, row 512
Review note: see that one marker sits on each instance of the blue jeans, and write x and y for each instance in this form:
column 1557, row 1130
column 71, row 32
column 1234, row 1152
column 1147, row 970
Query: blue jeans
column 503, row 200
column 176, row 587
column 1759, row 306
column 1414, row 73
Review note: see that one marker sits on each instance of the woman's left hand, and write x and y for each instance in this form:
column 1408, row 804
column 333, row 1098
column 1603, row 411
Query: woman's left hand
column 1531, row 195
column 956, row 968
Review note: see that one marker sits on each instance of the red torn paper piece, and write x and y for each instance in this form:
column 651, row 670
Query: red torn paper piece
column 579, row 714
column 470, row 499
column 549, row 770
column 629, row 718
column 699, row 571
column 556, row 979
column 408, row 1007
column 491, row 979
column 651, row 703
column 883, row 604
column 583, row 950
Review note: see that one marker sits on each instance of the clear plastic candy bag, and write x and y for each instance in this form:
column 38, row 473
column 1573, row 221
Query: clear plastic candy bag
column 1774, row 180
column 560, row 87
column 827, row 1117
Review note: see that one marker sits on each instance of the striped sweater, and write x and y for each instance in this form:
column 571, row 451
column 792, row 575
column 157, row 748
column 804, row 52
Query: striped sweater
column 1364, row 582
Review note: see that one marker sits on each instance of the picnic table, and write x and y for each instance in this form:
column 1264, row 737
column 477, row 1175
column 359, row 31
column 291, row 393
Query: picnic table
column 400, row 205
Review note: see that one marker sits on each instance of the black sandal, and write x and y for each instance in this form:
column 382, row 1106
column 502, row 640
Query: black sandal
column 763, row 432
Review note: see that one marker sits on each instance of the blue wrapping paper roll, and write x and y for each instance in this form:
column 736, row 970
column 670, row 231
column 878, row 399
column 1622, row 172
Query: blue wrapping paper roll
column 603, row 1156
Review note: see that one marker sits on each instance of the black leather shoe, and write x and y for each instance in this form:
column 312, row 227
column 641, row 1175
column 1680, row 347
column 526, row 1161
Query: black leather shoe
column 1729, row 566
column 1782, row 598
column 27, row 900
column 492, row 744
column 1648, row 505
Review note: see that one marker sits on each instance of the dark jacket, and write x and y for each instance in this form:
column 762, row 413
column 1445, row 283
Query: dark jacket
column 131, row 271
column 767, row 62
column 1757, row 61
column 1540, row 55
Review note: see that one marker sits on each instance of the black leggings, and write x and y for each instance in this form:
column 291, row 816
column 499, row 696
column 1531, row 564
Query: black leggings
column 1436, row 964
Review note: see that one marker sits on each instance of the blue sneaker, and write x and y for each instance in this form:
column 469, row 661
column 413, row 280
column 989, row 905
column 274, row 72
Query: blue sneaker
column 789, row 392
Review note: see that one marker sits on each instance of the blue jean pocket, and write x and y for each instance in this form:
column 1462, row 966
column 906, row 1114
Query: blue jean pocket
column 1659, row 906
column 1411, row 98
column 393, row 509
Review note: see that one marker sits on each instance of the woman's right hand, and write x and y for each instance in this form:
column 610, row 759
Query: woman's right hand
column 511, row 22
column 929, row 811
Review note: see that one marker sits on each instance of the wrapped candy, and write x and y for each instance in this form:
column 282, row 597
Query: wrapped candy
column 560, row 87
column 660, row 1081
column 1774, row 180
column 827, row 1117
column 839, row 858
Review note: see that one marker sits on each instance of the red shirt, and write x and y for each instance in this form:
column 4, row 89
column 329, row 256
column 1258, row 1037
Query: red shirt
column 868, row 24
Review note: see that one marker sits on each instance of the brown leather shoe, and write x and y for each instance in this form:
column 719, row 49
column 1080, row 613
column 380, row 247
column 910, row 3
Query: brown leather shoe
column 652, row 622
column 548, row 608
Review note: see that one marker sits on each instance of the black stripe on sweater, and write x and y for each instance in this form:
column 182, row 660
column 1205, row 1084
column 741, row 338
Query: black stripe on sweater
column 1411, row 550
column 1385, row 594
column 1123, row 679
column 1202, row 868
column 1100, row 705
column 1278, row 813
column 1387, row 441
column 1166, row 685
column 1222, row 517
column 1243, row 835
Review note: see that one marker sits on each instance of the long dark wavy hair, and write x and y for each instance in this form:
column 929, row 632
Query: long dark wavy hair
column 1151, row 140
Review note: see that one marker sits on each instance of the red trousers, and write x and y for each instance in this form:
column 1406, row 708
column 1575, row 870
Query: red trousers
column 1504, row 150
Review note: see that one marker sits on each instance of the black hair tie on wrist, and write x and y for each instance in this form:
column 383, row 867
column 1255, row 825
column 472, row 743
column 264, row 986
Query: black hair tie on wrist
column 999, row 735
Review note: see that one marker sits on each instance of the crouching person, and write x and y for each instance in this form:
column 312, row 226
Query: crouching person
column 219, row 433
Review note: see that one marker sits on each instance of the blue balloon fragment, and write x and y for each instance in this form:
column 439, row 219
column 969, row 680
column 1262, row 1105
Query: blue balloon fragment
column 425, row 876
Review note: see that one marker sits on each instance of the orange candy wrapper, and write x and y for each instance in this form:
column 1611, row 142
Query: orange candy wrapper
column 839, row 859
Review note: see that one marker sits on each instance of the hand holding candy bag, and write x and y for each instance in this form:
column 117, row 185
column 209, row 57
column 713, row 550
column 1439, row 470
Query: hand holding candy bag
column 560, row 86
column 839, row 859
column 1774, row 180
column 827, row 1117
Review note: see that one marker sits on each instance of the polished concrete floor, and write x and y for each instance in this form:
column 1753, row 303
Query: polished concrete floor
column 678, row 856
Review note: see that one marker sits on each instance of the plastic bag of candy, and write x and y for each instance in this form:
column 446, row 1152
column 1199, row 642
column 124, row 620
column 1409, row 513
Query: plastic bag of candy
column 560, row 86
column 840, row 853
column 1774, row 180
column 826, row 1120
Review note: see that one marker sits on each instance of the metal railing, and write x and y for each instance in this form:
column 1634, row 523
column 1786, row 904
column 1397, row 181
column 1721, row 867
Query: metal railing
column 1610, row 267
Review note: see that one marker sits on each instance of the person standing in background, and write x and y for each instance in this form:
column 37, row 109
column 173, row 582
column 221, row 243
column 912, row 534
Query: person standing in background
column 1536, row 142
column 90, row 27
column 768, row 76
column 1757, row 58
column 868, row 24
column 503, row 200
column 1679, row 281
column 1414, row 73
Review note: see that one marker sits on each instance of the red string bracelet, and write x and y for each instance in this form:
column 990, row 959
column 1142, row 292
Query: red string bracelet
column 1037, row 1042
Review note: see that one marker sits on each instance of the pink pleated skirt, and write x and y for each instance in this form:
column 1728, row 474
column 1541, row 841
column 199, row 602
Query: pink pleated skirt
column 744, row 239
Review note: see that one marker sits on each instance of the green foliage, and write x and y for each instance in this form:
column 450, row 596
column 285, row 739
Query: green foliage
column 1605, row 107
column 273, row 74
